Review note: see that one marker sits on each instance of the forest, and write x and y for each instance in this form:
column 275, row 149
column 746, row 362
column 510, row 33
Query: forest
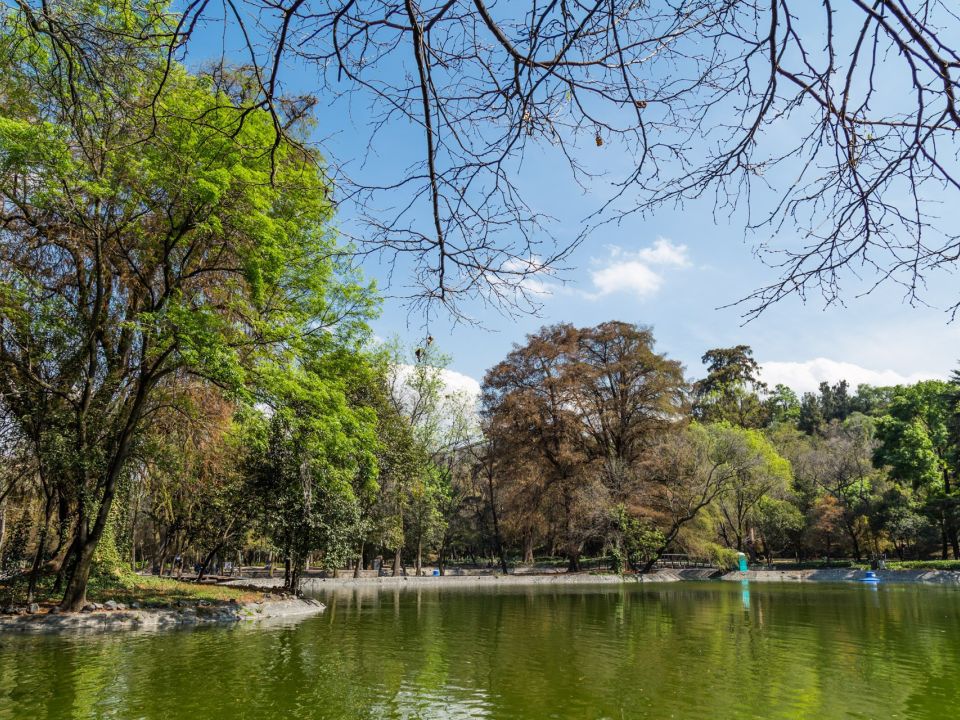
column 586, row 442
column 188, row 377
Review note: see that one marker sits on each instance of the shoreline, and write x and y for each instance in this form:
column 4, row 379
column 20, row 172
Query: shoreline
column 194, row 614
column 828, row 575
column 151, row 619
column 848, row 575
column 312, row 584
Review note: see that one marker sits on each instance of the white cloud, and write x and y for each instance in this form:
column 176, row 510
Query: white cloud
column 460, row 401
column 632, row 272
column 454, row 383
column 807, row 376
column 664, row 252
column 459, row 383
column 631, row 276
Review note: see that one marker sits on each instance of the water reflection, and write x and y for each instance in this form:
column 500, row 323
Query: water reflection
column 619, row 652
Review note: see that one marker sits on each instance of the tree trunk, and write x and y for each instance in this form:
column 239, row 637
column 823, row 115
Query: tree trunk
column 206, row 562
column 359, row 565
column 396, row 562
column 419, row 561
column 498, row 543
column 528, row 550
column 293, row 583
column 574, row 561
column 38, row 555
column 854, row 540
column 3, row 522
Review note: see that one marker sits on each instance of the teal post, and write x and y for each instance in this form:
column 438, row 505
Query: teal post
column 742, row 562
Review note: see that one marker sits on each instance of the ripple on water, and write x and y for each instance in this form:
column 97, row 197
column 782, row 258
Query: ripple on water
column 705, row 650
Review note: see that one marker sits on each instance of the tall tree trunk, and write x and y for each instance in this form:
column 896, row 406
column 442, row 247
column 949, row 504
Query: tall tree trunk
column 359, row 565
column 854, row 540
column 498, row 543
column 40, row 552
column 949, row 528
column 419, row 562
column 3, row 522
column 396, row 562
column 528, row 549
column 75, row 595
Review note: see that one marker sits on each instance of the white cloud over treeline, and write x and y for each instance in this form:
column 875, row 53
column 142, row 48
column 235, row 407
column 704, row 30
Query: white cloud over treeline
column 636, row 272
column 806, row 376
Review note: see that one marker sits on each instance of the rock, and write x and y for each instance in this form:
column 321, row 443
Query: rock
column 111, row 605
column 9, row 610
column 33, row 609
column 134, row 606
column 203, row 603
column 90, row 607
column 121, row 606
column 53, row 611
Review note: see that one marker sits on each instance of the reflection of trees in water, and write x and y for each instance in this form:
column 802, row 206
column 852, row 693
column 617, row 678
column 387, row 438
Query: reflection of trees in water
column 804, row 650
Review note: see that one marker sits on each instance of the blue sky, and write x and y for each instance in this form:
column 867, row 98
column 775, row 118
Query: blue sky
column 673, row 270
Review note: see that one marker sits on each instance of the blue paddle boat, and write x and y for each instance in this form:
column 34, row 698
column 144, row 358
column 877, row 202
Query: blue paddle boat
column 870, row 577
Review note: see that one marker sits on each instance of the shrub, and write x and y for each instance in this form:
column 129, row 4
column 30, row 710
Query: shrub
column 953, row 565
column 723, row 557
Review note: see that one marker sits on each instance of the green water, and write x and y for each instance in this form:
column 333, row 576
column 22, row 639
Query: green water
column 699, row 650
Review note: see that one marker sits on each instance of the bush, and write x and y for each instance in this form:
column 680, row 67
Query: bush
column 723, row 557
column 617, row 561
column 953, row 565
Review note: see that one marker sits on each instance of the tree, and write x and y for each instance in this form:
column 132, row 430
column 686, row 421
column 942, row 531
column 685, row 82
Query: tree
column 779, row 523
column 730, row 392
column 626, row 395
column 308, row 461
column 691, row 470
column 811, row 419
column 480, row 87
column 585, row 406
column 783, row 405
column 841, row 465
column 531, row 394
column 761, row 473
column 440, row 423
column 141, row 247
column 915, row 441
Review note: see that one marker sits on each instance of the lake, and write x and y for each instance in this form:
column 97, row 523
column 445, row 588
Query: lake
column 671, row 650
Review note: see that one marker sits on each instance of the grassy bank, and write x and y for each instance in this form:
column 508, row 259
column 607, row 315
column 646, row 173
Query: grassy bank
column 128, row 588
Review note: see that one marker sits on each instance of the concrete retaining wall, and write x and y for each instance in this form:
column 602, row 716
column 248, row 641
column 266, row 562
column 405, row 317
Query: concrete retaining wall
column 159, row 619
column 835, row 575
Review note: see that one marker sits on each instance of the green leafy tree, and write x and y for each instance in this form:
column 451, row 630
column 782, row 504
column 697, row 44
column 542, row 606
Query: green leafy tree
column 140, row 247
column 840, row 464
column 783, row 405
column 761, row 473
column 731, row 390
column 916, row 443
column 690, row 471
column 306, row 464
